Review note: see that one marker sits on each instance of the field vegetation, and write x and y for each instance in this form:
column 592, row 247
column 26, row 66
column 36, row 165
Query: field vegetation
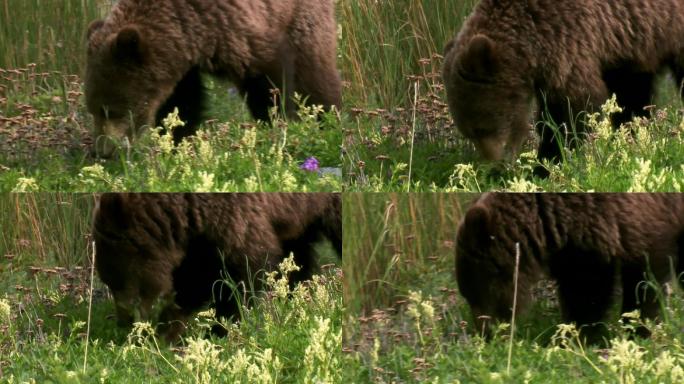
column 406, row 322
column 395, row 129
column 400, row 136
column 49, row 333
column 45, row 135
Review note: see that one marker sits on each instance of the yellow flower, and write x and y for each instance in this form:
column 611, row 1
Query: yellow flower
column 5, row 311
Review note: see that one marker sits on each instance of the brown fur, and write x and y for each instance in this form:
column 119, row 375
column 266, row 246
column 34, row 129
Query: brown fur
column 583, row 241
column 177, row 246
column 146, row 57
column 563, row 53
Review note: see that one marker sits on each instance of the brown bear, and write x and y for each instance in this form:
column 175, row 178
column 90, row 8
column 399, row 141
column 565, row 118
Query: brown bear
column 147, row 56
column 568, row 55
column 585, row 242
column 179, row 247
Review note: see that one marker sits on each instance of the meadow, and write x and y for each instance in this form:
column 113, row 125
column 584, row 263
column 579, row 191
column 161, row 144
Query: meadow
column 45, row 136
column 394, row 131
column 406, row 322
column 400, row 136
column 57, row 320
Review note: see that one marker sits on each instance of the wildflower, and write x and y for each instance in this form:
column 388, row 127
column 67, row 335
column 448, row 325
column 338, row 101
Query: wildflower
column 413, row 310
column 601, row 122
column 647, row 179
column 205, row 152
column 428, row 310
column 5, row 311
column 281, row 286
column 422, row 311
column 522, row 185
column 528, row 376
column 375, row 353
column 95, row 171
column 565, row 335
column 320, row 360
column 626, row 359
column 464, row 178
column 310, row 164
column 251, row 184
column 249, row 139
column 141, row 333
column 263, row 367
column 271, row 366
column 104, row 374
column 206, row 183
column 664, row 364
column 202, row 358
column 172, row 120
column 95, row 174
column 26, row 184
column 288, row 182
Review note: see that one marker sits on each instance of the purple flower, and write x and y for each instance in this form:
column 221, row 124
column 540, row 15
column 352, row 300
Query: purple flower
column 310, row 164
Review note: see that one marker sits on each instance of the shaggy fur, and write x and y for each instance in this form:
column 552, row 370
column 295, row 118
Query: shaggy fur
column 146, row 58
column 178, row 246
column 568, row 55
column 585, row 242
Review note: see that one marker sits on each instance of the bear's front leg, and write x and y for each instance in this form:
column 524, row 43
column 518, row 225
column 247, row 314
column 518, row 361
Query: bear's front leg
column 586, row 287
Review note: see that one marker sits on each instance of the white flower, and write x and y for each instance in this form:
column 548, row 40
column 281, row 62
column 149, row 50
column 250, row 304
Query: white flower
column 25, row 184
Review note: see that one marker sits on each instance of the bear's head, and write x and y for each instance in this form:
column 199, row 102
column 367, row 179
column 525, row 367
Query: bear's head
column 133, row 261
column 127, row 80
column 490, row 106
column 485, row 266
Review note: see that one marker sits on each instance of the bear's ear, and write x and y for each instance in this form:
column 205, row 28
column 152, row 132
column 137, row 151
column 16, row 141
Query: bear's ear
column 128, row 46
column 112, row 210
column 477, row 221
column 480, row 60
column 93, row 27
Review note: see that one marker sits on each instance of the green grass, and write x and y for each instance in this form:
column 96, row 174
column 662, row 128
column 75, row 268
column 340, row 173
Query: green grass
column 45, row 129
column 285, row 336
column 383, row 42
column 231, row 153
column 406, row 322
column 395, row 131
column 51, row 33
column 403, row 139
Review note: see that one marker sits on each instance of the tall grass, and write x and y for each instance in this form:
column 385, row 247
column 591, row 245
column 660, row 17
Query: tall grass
column 287, row 334
column 406, row 322
column 402, row 138
column 227, row 157
column 45, row 128
column 393, row 241
column 47, row 228
column 50, row 33
column 384, row 41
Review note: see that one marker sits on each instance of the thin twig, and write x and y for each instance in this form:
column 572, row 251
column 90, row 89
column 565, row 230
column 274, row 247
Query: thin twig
column 90, row 307
column 515, row 303
column 416, row 85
